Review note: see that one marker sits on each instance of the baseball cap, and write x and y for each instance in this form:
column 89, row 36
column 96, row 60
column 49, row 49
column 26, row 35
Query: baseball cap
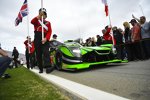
column 132, row 20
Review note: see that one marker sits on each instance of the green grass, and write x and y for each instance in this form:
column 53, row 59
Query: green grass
column 25, row 85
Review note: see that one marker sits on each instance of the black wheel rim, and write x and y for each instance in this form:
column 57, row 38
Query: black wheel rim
column 59, row 61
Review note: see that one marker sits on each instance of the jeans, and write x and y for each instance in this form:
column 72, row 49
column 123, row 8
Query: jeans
column 4, row 64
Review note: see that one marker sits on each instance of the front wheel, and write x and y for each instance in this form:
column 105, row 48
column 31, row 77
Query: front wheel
column 58, row 60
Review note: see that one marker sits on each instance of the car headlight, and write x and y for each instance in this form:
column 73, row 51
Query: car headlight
column 76, row 51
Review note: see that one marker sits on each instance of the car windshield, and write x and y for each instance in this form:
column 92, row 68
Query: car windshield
column 73, row 44
column 55, row 43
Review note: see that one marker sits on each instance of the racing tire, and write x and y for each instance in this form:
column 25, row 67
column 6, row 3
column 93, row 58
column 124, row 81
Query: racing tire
column 58, row 60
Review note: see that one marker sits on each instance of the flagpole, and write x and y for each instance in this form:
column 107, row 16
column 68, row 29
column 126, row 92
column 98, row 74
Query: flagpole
column 110, row 25
column 109, row 15
column 141, row 9
column 42, row 20
column 28, row 27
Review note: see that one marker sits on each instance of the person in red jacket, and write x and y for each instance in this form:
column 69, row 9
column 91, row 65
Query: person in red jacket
column 32, row 49
column 27, row 44
column 108, row 36
column 42, row 45
column 32, row 55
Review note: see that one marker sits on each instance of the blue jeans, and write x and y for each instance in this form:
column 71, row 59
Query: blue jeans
column 4, row 64
column 146, row 47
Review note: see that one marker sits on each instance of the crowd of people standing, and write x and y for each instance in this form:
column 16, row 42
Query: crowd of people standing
column 132, row 43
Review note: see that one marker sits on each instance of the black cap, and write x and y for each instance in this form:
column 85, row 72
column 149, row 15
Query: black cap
column 42, row 9
column 28, row 37
column 133, row 20
column 54, row 35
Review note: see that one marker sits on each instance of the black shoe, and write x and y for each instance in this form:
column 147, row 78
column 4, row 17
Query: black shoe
column 40, row 71
column 10, row 67
column 49, row 69
column 6, row 76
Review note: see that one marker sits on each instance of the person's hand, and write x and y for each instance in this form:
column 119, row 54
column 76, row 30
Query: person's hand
column 44, row 40
column 133, row 16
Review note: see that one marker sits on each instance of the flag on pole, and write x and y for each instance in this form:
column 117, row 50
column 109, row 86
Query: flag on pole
column 106, row 6
column 22, row 13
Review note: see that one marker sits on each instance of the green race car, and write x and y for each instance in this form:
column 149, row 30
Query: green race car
column 72, row 56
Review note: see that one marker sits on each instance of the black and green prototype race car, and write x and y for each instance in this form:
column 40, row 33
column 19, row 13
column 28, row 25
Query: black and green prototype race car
column 73, row 56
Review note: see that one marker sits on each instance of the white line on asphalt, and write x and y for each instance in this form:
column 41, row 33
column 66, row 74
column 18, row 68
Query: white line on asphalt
column 79, row 90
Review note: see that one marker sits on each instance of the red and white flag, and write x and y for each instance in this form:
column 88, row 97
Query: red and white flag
column 22, row 13
column 106, row 6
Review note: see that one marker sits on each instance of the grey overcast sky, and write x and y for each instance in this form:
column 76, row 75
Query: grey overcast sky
column 70, row 19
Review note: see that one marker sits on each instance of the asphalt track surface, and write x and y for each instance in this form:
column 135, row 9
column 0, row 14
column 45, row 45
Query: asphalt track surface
column 130, row 80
